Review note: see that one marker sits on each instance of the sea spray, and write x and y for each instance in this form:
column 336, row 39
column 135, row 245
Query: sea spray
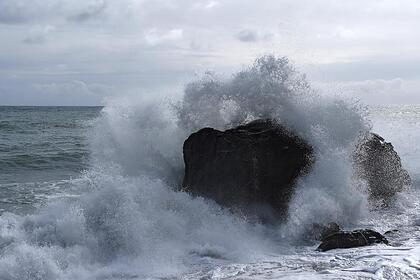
column 131, row 222
column 272, row 88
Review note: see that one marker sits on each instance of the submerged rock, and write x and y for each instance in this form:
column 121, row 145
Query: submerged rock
column 250, row 168
column 379, row 164
column 357, row 238
column 392, row 232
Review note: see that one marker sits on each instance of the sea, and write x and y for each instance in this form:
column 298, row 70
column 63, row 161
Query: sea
column 90, row 192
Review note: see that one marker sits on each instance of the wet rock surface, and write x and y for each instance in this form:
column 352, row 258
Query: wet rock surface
column 250, row 168
column 378, row 163
column 346, row 239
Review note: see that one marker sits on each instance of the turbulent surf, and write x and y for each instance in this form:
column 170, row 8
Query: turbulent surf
column 94, row 193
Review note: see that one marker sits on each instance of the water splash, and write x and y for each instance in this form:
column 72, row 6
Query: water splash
column 129, row 217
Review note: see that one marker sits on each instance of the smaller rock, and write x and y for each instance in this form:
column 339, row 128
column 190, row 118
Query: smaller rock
column 416, row 222
column 357, row 238
column 378, row 163
column 396, row 238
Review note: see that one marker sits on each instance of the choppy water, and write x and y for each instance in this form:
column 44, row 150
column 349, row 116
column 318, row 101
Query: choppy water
column 87, row 193
column 41, row 150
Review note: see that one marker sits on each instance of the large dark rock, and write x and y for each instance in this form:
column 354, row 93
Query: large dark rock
column 357, row 238
column 379, row 164
column 251, row 168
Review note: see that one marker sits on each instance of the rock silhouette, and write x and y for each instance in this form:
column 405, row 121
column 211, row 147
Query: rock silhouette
column 250, row 168
column 357, row 238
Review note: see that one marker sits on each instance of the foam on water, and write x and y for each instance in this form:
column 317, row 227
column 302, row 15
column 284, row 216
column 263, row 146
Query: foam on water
column 135, row 225
column 128, row 222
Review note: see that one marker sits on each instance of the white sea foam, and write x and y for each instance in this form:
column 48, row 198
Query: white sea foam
column 147, row 138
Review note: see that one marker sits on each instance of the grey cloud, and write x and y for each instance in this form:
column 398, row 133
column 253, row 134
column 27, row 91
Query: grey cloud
column 94, row 10
column 248, row 35
column 14, row 12
column 36, row 39
column 38, row 11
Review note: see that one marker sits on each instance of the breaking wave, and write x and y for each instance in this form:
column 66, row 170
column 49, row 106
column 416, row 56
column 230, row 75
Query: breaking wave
column 129, row 221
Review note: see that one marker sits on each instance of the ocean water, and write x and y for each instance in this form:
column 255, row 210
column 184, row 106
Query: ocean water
column 89, row 193
column 41, row 150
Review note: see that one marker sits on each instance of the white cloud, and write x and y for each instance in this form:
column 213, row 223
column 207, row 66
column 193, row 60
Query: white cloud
column 211, row 4
column 154, row 37
column 205, row 4
column 345, row 33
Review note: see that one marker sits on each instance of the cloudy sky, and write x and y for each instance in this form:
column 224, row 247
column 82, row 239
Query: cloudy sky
column 82, row 52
